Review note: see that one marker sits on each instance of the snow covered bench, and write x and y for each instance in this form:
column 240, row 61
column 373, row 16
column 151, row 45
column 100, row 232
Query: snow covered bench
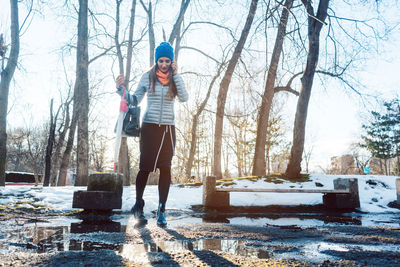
column 343, row 196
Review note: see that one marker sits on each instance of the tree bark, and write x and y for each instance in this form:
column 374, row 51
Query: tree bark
column 176, row 28
column 152, row 40
column 6, row 76
column 123, row 158
column 60, row 145
column 259, row 164
column 70, row 142
column 223, row 90
column 314, row 29
column 50, row 144
column 82, row 63
column 116, row 38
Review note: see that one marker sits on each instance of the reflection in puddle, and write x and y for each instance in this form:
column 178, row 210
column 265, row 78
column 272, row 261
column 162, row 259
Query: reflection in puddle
column 237, row 247
column 98, row 226
column 89, row 236
column 108, row 234
column 282, row 219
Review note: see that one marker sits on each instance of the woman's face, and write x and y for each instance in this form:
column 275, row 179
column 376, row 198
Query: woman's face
column 163, row 64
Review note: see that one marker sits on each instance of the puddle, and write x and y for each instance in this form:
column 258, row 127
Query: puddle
column 75, row 235
column 237, row 247
column 89, row 236
column 315, row 251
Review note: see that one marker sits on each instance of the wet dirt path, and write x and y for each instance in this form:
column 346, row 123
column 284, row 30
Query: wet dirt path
column 27, row 240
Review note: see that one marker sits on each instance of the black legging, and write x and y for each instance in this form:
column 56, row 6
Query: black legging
column 163, row 183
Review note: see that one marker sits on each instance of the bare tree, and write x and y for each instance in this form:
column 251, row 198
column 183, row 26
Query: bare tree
column 62, row 131
column 98, row 147
column 259, row 165
column 50, row 144
column 195, row 122
column 82, row 63
column 65, row 161
column 16, row 150
column 123, row 159
column 224, row 86
column 36, row 139
column 6, row 76
column 315, row 23
column 152, row 41
column 307, row 157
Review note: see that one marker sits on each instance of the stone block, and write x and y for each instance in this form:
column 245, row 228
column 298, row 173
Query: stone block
column 110, row 182
column 337, row 201
column 212, row 198
column 96, row 200
column 343, row 201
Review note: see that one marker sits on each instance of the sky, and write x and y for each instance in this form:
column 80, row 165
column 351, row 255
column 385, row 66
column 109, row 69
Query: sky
column 335, row 115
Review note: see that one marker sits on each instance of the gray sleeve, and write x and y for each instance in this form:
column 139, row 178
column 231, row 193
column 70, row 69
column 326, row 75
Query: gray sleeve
column 141, row 88
column 130, row 99
column 180, row 88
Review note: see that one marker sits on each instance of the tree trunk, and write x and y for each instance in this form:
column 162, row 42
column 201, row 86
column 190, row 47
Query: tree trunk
column 193, row 142
column 223, row 90
column 268, row 162
column 49, row 148
column 130, row 44
column 60, row 145
column 176, row 28
column 116, row 37
column 123, row 157
column 314, row 29
column 82, row 63
column 259, row 164
column 152, row 40
column 70, row 142
column 6, row 76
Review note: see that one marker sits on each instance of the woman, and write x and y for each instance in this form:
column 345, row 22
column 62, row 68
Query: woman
column 162, row 84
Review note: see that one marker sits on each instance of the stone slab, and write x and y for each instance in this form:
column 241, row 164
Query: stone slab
column 338, row 201
column 351, row 200
column 111, row 182
column 96, row 200
column 211, row 198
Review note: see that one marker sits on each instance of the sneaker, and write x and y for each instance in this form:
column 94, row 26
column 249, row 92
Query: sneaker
column 137, row 210
column 161, row 221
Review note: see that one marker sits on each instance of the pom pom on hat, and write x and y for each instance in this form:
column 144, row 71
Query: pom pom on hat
column 164, row 50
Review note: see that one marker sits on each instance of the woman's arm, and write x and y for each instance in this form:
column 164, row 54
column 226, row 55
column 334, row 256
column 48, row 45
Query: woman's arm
column 139, row 93
column 180, row 88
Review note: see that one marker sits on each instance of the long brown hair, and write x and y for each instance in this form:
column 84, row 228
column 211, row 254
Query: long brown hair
column 172, row 92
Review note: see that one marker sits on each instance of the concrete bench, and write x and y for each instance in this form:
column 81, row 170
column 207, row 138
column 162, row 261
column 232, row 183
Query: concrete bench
column 343, row 196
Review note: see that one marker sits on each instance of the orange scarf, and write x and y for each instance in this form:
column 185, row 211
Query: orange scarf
column 162, row 77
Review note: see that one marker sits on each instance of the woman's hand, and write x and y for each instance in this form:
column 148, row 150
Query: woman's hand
column 174, row 67
column 119, row 81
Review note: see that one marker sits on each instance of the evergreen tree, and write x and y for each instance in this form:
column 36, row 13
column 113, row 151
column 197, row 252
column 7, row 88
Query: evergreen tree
column 393, row 120
column 382, row 136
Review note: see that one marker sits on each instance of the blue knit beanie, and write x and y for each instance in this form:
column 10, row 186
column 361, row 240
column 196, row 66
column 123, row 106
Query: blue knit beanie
column 164, row 50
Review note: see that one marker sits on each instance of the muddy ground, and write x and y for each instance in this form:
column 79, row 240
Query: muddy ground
column 196, row 239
